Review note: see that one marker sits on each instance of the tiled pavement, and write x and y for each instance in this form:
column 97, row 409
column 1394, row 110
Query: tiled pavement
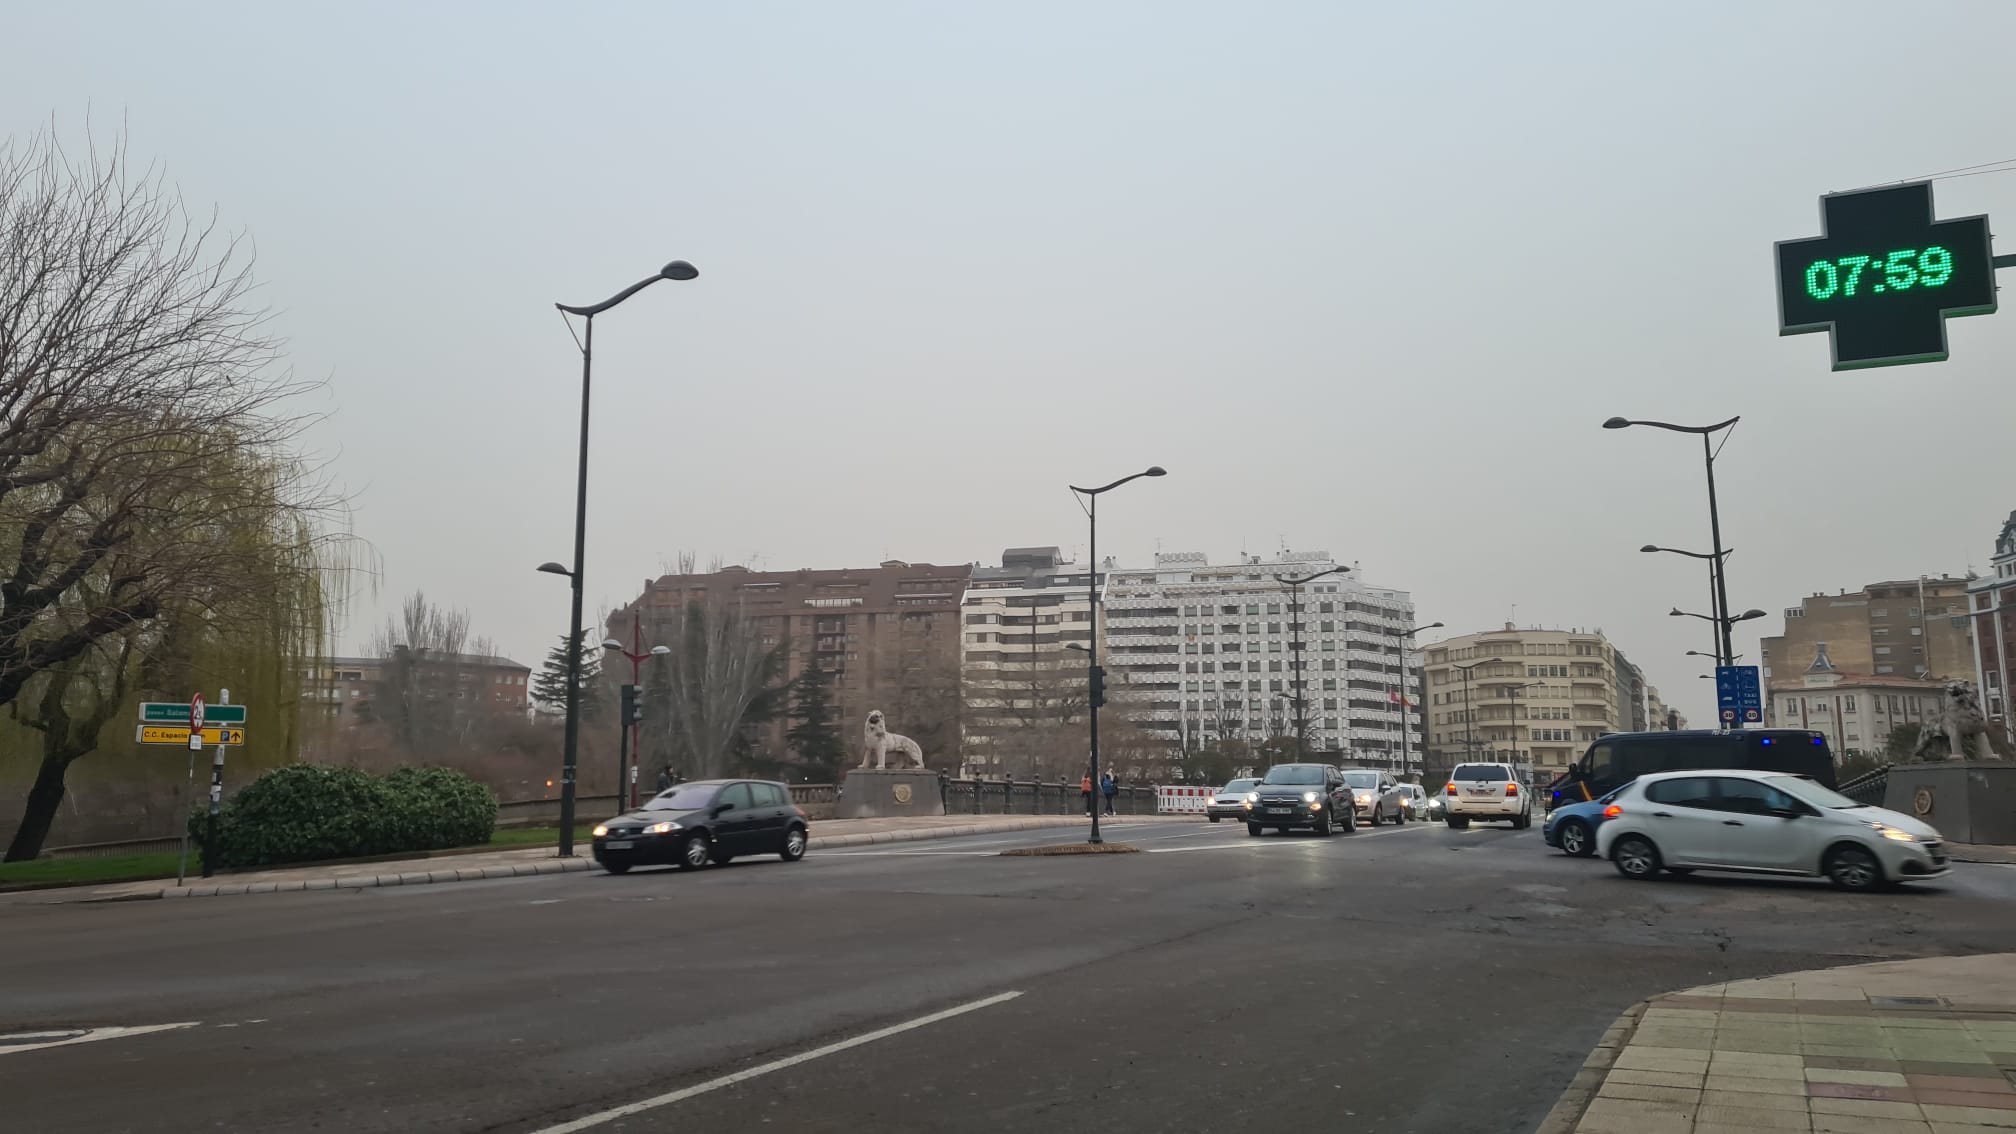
column 1900, row 1047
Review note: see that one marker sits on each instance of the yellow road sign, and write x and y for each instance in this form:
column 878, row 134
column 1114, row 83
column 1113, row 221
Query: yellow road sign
column 179, row 735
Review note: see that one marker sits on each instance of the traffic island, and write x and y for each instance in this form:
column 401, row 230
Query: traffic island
column 1070, row 848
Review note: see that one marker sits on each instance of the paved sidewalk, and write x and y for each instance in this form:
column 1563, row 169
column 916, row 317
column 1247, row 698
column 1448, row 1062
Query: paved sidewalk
column 827, row 834
column 1899, row 1047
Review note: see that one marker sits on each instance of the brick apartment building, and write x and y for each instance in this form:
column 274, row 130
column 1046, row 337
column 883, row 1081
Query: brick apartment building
column 346, row 686
column 1915, row 628
column 888, row 635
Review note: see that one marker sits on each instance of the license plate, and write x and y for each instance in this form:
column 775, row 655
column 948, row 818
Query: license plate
column 1279, row 810
column 618, row 844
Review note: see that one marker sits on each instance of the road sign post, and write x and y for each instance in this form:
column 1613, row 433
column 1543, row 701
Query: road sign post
column 1885, row 277
column 216, row 803
column 1739, row 696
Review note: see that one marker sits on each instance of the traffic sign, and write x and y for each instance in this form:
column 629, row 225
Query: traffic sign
column 1885, row 277
column 177, row 712
column 1739, row 694
column 179, row 734
column 196, row 712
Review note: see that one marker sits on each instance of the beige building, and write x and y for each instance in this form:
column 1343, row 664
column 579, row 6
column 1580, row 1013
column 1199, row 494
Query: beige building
column 1857, row 711
column 1904, row 628
column 1025, row 692
column 1535, row 698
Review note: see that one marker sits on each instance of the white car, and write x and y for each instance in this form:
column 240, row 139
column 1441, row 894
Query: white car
column 1486, row 791
column 1416, row 799
column 1230, row 800
column 1763, row 823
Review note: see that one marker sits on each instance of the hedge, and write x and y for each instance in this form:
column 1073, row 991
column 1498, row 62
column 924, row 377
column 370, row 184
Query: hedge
column 308, row 812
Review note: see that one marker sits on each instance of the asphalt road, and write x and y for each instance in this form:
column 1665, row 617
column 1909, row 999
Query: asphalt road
column 1398, row 979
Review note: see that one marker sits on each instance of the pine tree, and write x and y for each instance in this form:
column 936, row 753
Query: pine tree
column 549, row 688
column 813, row 734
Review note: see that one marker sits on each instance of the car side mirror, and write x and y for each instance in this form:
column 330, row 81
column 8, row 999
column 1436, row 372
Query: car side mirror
column 1787, row 812
column 720, row 809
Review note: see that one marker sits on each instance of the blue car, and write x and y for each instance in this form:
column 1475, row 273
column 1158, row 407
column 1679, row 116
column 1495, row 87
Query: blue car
column 1572, row 827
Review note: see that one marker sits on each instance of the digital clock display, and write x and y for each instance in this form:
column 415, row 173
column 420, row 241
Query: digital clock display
column 1885, row 277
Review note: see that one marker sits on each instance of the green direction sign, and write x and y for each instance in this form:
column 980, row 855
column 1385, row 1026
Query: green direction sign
column 177, row 712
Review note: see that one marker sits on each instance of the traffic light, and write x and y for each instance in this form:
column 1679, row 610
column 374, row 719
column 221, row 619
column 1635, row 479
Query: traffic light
column 633, row 704
column 1098, row 686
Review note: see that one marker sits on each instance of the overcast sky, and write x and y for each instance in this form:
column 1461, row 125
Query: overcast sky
column 1364, row 277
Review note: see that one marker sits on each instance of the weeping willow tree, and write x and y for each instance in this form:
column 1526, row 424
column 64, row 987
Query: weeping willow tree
column 157, row 532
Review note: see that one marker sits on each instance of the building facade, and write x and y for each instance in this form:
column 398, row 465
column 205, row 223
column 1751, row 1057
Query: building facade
column 1857, row 711
column 1534, row 698
column 887, row 637
column 1991, row 604
column 1202, row 653
column 347, row 687
column 1903, row 628
column 1025, row 690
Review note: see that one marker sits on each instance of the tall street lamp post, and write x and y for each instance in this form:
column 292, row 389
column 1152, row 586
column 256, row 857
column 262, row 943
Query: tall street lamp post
column 1094, row 676
column 1714, row 515
column 1295, row 685
column 676, row 270
column 1470, row 709
column 627, row 741
column 1402, row 695
column 1715, row 596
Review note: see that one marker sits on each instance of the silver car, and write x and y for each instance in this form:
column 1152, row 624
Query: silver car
column 1376, row 795
column 1230, row 802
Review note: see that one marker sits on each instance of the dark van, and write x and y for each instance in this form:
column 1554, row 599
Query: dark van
column 1617, row 759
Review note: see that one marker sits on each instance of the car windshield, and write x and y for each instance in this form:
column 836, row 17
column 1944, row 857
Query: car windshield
column 687, row 797
column 1812, row 792
column 1480, row 772
column 1362, row 779
column 1239, row 785
column 1294, row 774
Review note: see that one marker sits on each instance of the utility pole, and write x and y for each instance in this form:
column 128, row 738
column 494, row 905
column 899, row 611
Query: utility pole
column 1470, row 709
column 1296, row 685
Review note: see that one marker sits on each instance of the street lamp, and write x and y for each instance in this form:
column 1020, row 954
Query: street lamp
column 1094, row 676
column 676, row 270
column 1403, row 636
column 1715, row 564
column 627, row 739
column 1469, row 709
column 1714, row 515
column 1295, row 642
column 1746, row 616
column 1710, row 657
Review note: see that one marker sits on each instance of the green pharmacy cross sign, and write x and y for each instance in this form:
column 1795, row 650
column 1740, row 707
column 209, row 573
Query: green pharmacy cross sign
column 1885, row 277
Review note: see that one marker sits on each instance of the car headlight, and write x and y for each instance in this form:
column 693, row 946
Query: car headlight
column 1309, row 797
column 601, row 829
column 1434, row 803
column 662, row 828
column 1364, row 797
column 1252, row 797
column 1894, row 834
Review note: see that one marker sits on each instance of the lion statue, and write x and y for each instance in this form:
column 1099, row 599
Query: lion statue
column 878, row 742
column 1959, row 720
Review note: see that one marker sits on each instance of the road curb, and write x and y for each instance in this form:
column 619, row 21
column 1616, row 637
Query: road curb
column 1568, row 1109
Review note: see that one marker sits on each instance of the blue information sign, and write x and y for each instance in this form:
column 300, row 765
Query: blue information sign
column 1739, row 695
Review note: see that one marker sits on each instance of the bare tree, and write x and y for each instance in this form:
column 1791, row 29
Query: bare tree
column 718, row 677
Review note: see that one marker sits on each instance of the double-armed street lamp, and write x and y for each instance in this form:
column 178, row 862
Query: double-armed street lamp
column 1403, row 635
column 1094, row 676
column 1294, row 586
column 676, row 270
column 1706, row 433
column 1469, row 708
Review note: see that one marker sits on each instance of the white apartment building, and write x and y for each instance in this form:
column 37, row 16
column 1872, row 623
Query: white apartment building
column 1021, row 685
column 1199, row 653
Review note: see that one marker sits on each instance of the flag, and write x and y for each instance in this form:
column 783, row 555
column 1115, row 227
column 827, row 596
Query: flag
column 1394, row 696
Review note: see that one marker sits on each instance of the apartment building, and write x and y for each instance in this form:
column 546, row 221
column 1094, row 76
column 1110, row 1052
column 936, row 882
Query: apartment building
column 1905, row 628
column 1025, row 691
column 346, row 687
column 1857, row 711
column 888, row 637
column 1201, row 653
column 1991, row 604
column 1531, row 697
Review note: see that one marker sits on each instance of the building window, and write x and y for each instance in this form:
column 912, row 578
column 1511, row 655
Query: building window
column 1848, row 704
column 1886, row 669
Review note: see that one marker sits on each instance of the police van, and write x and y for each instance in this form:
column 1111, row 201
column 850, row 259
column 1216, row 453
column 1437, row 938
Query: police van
column 1620, row 757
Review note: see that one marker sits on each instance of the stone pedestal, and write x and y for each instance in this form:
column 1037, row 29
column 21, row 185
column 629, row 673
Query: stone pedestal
column 869, row 793
column 1970, row 801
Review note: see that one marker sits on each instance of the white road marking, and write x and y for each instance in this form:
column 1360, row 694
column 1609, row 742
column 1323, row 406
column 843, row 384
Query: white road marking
column 670, row 1097
column 88, row 1035
column 897, row 853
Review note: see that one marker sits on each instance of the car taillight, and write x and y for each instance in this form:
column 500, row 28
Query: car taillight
column 1511, row 789
column 1612, row 811
column 1451, row 788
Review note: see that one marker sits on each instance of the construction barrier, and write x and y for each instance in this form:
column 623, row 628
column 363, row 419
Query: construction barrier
column 1183, row 800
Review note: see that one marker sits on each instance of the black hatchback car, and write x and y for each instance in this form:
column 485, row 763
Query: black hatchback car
column 705, row 821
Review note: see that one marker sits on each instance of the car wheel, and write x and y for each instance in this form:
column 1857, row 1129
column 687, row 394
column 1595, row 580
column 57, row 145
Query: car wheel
column 1524, row 821
column 1322, row 826
column 1853, row 868
column 1459, row 822
column 1350, row 821
column 696, row 851
column 1253, row 829
column 1399, row 817
column 794, row 845
column 1213, row 818
column 1635, row 857
column 616, row 867
column 1577, row 840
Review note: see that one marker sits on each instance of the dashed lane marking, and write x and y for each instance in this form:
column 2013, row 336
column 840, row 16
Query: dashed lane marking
column 36, row 1041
